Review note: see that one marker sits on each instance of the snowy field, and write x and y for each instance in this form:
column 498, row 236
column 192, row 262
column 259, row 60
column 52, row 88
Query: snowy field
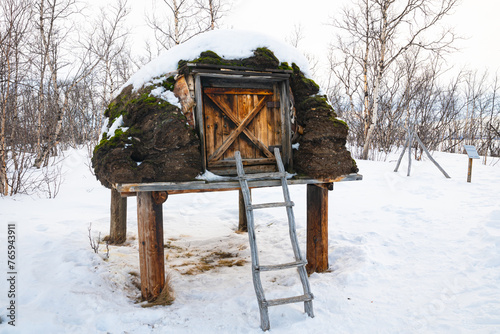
column 418, row 254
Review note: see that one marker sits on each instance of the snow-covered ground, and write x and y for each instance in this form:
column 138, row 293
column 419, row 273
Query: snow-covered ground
column 418, row 254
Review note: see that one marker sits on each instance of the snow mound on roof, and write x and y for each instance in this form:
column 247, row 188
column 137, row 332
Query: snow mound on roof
column 228, row 44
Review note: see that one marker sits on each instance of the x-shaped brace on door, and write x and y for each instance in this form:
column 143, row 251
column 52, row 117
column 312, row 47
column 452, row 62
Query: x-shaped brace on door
column 241, row 126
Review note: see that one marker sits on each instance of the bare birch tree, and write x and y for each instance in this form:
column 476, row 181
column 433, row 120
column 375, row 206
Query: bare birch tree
column 51, row 12
column 172, row 22
column 212, row 11
column 14, row 15
column 176, row 21
column 383, row 31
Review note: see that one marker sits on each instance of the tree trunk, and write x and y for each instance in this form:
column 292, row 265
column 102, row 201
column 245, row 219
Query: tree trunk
column 4, row 185
column 378, row 79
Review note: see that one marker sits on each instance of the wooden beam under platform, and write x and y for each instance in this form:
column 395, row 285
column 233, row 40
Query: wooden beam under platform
column 231, row 184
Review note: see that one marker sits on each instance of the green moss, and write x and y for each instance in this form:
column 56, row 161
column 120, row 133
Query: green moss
column 169, row 83
column 285, row 66
column 119, row 139
column 338, row 122
column 136, row 103
column 262, row 58
column 206, row 57
column 315, row 102
column 301, row 85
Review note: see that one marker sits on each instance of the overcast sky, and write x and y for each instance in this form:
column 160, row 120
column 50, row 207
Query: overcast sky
column 475, row 19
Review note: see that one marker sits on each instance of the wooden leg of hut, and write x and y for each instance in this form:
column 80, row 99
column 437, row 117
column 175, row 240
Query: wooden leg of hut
column 151, row 252
column 242, row 226
column 317, row 229
column 118, row 224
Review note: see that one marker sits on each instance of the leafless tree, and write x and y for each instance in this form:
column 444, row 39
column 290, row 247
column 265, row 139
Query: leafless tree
column 376, row 33
column 212, row 11
column 295, row 38
column 176, row 21
column 14, row 15
column 51, row 11
column 172, row 22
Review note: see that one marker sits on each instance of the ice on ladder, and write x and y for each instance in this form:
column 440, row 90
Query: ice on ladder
column 299, row 263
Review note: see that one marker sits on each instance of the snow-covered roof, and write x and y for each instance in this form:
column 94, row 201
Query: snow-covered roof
column 228, row 44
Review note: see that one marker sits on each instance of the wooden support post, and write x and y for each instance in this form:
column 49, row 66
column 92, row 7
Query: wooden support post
column 242, row 225
column 469, row 171
column 317, row 229
column 151, row 248
column 118, row 223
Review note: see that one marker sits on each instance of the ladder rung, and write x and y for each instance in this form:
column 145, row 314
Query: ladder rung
column 282, row 266
column 263, row 176
column 269, row 205
column 289, row 300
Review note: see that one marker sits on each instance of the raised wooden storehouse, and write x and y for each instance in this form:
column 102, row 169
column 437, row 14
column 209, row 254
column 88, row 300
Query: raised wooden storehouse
column 154, row 147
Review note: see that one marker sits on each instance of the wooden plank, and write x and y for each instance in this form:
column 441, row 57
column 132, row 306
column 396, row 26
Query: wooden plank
column 246, row 162
column 289, row 300
column 237, row 91
column 199, row 118
column 249, row 75
column 238, row 68
column 228, row 171
column 282, row 266
column 430, row 156
column 221, row 185
column 270, row 205
column 235, row 118
column 264, row 176
column 244, row 123
column 284, row 97
column 118, row 224
column 247, row 150
column 278, row 120
column 128, row 194
column 229, row 126
column 209, row 117
column 220, row 130
column 151, row 248
column 260, row 127
column 317, row 229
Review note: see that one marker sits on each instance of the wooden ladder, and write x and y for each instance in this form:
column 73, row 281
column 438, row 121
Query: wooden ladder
column 299, row 263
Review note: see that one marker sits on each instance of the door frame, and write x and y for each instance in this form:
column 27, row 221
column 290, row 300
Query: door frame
column 245, row 79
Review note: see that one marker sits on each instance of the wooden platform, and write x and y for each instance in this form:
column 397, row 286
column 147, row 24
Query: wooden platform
column 130, row 189
column 151, row 196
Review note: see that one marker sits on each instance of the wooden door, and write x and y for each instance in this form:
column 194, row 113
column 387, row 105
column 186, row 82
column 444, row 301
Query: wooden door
column 241, row 119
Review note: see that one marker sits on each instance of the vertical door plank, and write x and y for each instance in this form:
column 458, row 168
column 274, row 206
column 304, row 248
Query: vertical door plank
column 209, row 125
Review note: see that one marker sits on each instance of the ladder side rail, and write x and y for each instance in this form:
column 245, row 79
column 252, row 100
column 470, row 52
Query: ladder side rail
column 257, row 283
column 308, row 307
column 289, row 210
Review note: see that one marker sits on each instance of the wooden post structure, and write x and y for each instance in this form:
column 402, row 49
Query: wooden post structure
column 151, row 247
column 469, row 171
column 242, row 225
column 118, row 223
column 317, row 228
